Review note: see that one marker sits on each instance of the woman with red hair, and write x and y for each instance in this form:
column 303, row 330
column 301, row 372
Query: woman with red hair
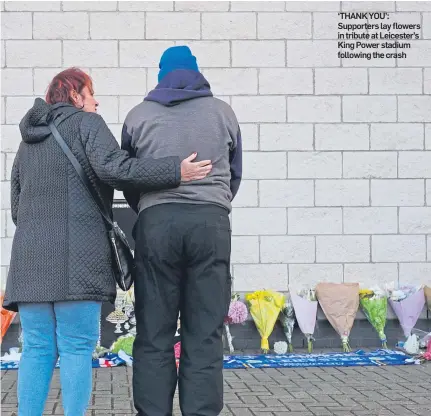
column 60, row 270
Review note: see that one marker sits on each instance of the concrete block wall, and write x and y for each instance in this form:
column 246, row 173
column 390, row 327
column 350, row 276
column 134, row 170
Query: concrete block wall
column 337, row 153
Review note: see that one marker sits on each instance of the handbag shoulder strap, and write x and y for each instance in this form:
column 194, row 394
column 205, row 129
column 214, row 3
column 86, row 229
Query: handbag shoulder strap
column 80, row 171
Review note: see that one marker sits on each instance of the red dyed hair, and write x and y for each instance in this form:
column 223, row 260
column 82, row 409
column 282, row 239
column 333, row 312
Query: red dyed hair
column 62, row 85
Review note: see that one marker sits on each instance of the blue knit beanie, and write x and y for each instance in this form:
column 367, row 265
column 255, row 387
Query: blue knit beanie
column 177, row 57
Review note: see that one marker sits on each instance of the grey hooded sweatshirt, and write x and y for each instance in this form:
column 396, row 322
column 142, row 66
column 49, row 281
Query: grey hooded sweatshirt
column 179, row 117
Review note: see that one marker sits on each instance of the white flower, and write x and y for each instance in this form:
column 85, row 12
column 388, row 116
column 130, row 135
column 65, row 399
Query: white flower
column 280, row 347
column 412, row 345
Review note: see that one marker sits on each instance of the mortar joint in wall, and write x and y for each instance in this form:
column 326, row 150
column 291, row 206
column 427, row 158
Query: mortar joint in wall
column 118, row 54
column 369, row 136
column 314, row 80
column 258, row 136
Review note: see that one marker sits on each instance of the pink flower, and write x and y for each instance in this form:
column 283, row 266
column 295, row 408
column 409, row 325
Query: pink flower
column 237, row 313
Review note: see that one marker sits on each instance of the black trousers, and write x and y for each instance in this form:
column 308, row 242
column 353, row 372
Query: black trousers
column 182, row 257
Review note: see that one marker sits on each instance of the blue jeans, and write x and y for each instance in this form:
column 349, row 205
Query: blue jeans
column 68, row 330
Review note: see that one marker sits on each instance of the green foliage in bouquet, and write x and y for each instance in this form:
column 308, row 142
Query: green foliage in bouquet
column 375, row 307
column 124, row 343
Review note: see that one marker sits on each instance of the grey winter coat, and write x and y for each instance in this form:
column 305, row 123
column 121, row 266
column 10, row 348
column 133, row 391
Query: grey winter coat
column 60, row 248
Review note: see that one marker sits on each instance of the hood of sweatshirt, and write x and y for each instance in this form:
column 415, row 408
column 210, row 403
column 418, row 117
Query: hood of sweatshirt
column 179, row 86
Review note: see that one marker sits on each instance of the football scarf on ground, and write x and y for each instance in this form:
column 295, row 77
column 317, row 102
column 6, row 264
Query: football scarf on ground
column 234, row 362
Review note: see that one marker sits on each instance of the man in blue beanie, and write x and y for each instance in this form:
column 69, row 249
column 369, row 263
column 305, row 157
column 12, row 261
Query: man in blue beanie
column 183, row 241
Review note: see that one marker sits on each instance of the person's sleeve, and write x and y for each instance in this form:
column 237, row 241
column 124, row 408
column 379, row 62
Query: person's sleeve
column 132, row 196
column 235, row 160
column 116, row 168
column 15, row 190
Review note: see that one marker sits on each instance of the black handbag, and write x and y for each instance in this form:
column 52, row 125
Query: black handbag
column 122, row 256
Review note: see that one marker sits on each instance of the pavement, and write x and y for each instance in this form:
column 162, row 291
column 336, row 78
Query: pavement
column 359, row 391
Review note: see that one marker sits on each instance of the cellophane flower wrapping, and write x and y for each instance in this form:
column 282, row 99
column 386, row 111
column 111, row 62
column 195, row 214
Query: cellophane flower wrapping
column 305, row 305
column 265, row 306
column 407, row 302
column 177, row 350
column 237, row 315
column 374, row 303
column 6, row 318
column 340, row 303
column 287, row 319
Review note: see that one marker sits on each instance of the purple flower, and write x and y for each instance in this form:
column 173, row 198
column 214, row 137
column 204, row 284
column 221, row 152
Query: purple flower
column 237, row 313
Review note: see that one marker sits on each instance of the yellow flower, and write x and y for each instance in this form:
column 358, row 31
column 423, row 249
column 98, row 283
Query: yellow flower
column 364, row 293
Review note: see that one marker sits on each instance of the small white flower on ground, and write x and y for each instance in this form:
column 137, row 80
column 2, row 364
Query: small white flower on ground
column 280, row 347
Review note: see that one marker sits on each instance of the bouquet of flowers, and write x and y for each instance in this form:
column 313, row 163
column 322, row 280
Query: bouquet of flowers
column 287, row 319
column 237, row 315
column 265, row 306
column 340, row 302
column 374, row 303
column 407, row 302
column 305, row 304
